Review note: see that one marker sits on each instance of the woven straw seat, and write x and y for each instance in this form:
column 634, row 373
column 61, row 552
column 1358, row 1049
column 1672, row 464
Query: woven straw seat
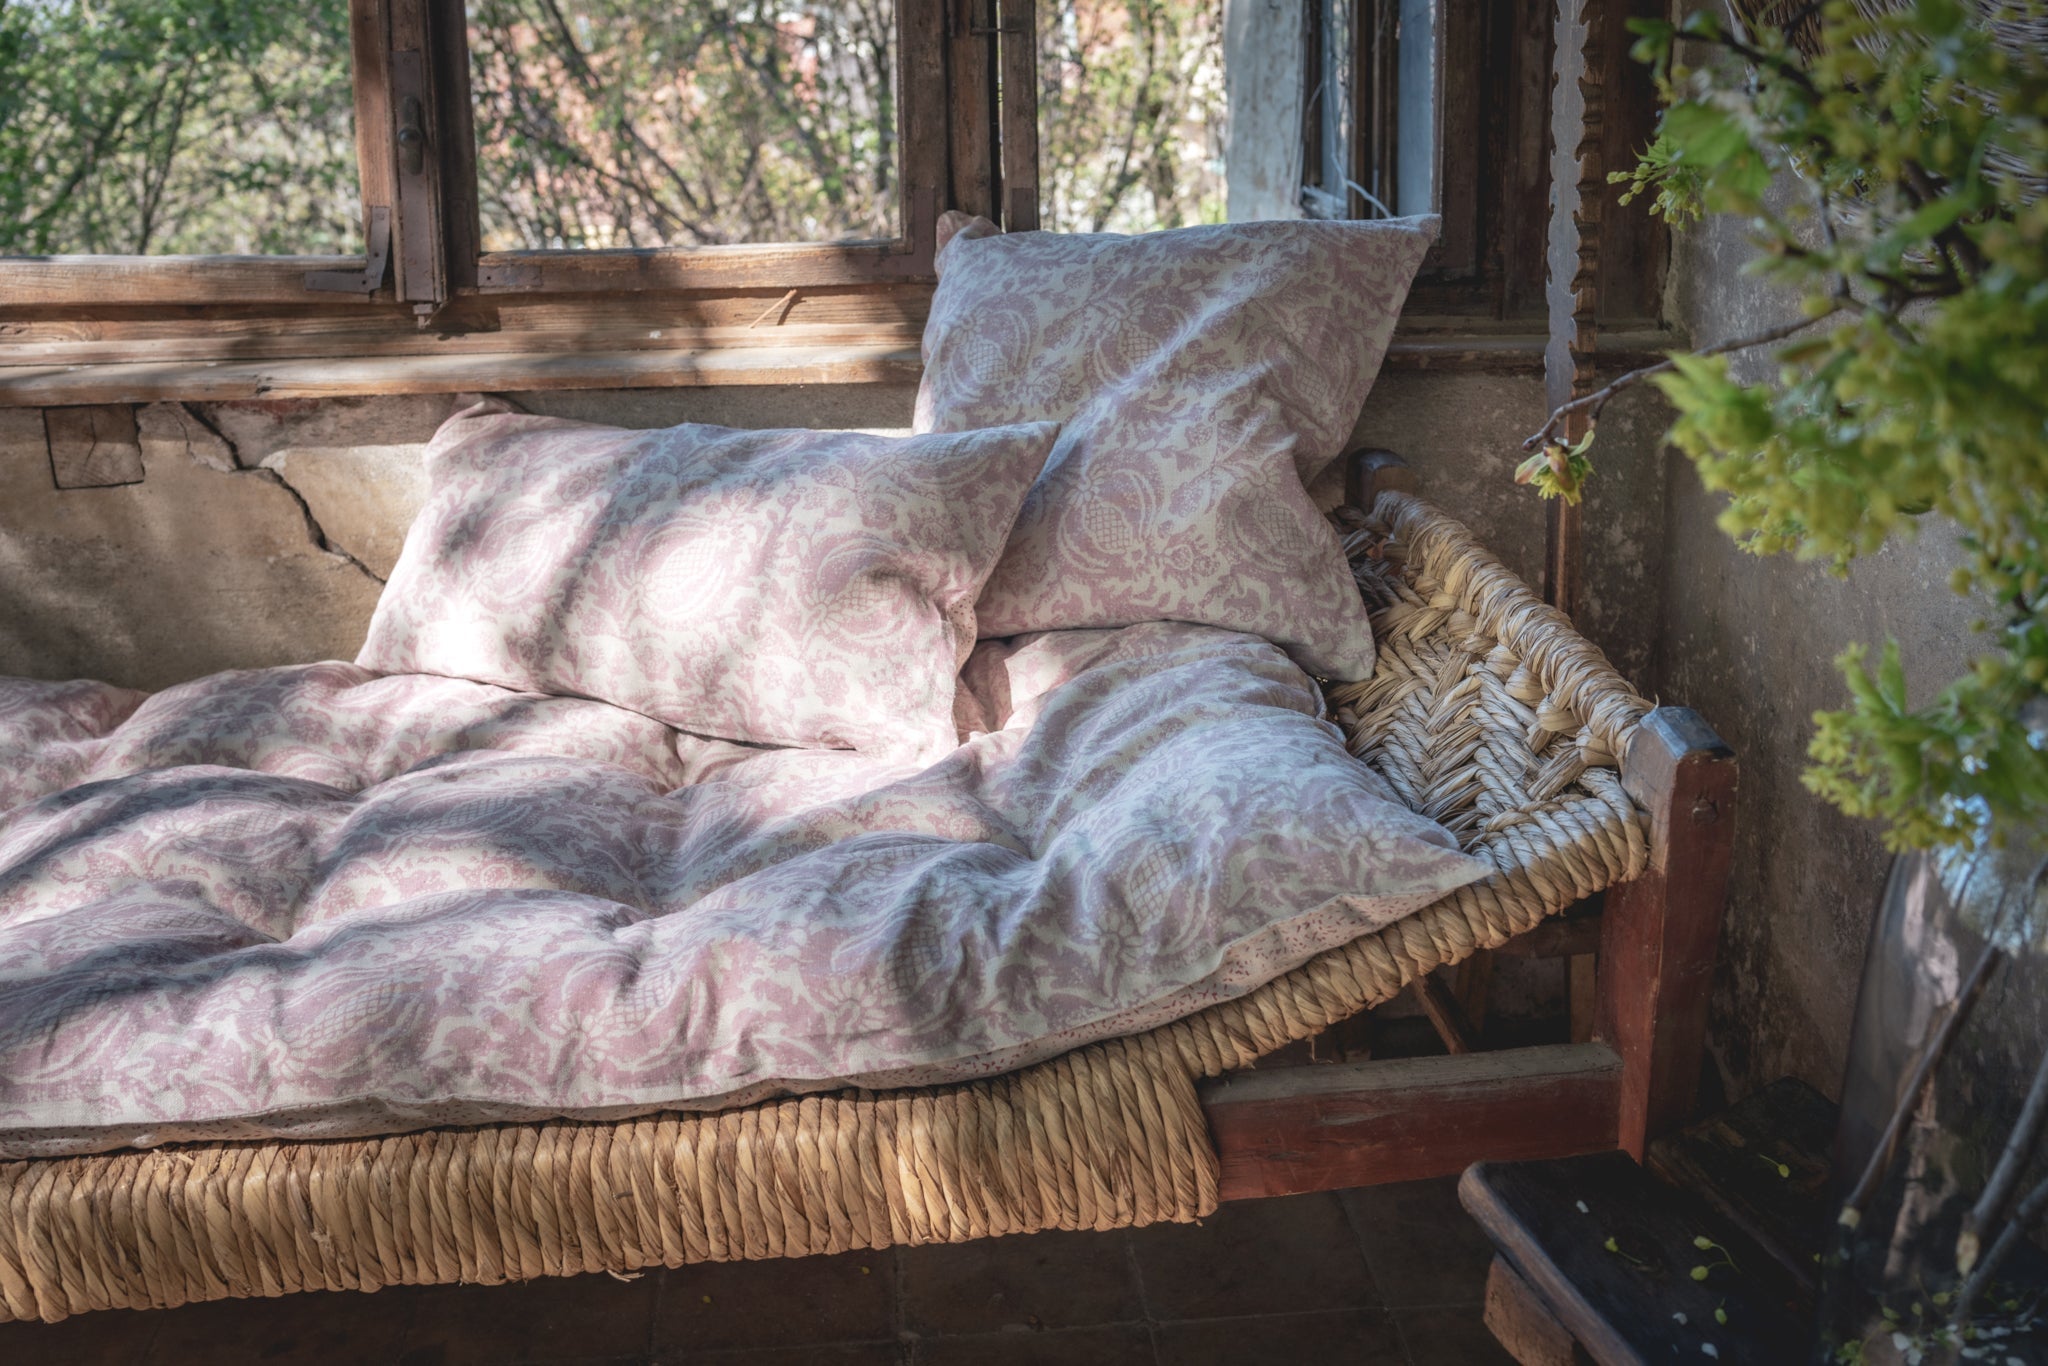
column 1487, row 711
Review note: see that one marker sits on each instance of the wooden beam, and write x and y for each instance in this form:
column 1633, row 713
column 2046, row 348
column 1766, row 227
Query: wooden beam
column 1559, row 936
column 1018, row 58
column 1660, row 931
column 1289, row 1130
column 84, row 358
column 1522, row 1323
column 1445, row 1013
column 54, row 386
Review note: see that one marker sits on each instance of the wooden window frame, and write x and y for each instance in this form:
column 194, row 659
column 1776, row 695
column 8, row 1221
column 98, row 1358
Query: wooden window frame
column 417, row 50
column 439, row 313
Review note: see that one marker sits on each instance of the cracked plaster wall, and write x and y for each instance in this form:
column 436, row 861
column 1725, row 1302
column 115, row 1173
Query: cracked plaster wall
column 261, row 532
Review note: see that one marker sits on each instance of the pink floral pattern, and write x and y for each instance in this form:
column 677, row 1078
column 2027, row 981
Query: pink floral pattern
column 1202, row 376
column 313, row 902
column 779, row 587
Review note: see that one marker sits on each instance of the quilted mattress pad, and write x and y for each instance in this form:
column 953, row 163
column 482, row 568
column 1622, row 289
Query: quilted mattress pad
column 314, row 901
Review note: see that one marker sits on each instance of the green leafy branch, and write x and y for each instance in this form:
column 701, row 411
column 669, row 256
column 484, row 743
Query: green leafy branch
column 1891, row 176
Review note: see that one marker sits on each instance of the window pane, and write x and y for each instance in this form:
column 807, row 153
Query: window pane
column 167, row 126
column 1130, row 114
column 637, row 123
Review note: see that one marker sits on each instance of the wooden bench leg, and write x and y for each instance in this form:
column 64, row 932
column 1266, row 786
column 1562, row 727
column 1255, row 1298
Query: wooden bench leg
column 1523, row 1324
column 1660, row 931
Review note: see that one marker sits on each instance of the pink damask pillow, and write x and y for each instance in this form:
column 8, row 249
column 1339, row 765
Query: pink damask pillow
column 781, row 587
column 1201, row 376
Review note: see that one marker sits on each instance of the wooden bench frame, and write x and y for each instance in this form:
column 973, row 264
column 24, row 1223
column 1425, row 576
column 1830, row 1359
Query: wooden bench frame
column 1288, row 1130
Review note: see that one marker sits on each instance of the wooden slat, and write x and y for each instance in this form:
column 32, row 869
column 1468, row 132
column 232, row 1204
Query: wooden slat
column 1634, row 1300
column 1291, row 1130
column 351, row 345
column 455, row 114
column 370, row 50
column 1660, row 932
column 1522, row 1323
column 1445, row 1013
column 1019, row 64
column 1558, row 937
column 34, row 386
column 921, row 100
column 151, row 361
column 971, row 113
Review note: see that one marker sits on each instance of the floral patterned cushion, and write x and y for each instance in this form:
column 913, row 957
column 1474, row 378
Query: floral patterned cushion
column 778, row 587
column 313, row 902
column 1201, row 376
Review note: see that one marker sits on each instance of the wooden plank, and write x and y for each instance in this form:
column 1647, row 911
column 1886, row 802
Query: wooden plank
column 921, row 104
column 1445, row 1014
column 1017, row 56
column 971, row 113
column 1561, row 936
column 1660, row 931
column 1582, row 984
column 1522, row 1323
column 1290, row 1130
column 147, row 360
column 745, row 266
column 342, row 344
column 370, row 50
column 455, row 116
column 48, row 281
column 33, row 387
column 1764, row 1165
column 1638, row 1301
column 59, row 281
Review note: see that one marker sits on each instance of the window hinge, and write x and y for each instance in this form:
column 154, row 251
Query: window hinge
column 376, row 260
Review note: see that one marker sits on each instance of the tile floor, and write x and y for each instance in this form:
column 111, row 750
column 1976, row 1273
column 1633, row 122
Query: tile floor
column 1388, row 1276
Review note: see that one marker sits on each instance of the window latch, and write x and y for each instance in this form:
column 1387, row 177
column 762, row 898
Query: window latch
column 376, row 258
column 412, row 135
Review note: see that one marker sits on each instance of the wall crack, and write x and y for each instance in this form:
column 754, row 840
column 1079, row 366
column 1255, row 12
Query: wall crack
column 315, row 533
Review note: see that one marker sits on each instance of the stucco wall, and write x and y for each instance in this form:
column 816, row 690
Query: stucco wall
column 260, row 532
column 1750, row 643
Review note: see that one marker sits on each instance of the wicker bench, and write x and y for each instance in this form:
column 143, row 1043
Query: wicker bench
column 1487, row 711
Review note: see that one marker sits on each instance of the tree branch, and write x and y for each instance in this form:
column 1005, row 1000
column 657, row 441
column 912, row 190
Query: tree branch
column 1592, row 403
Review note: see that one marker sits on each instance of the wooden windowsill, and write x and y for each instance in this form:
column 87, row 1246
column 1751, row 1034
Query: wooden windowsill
column 888, row 358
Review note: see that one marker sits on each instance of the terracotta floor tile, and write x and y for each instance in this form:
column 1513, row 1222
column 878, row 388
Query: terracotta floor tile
column 113, row 1337
column 556, row 1319
column 1109, row 1345
column 1354, row 1337
column 1450, row 1337
column 1422, row 1246
column 1033, row 1280
column 1254, row 1257
column 287, row 1331
column 839, row 1354
column 787, row 1302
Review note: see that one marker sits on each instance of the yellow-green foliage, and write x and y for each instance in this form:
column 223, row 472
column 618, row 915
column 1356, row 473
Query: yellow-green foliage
column 1914, row 146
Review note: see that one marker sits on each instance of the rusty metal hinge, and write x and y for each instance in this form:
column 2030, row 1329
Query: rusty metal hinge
column 376, row 260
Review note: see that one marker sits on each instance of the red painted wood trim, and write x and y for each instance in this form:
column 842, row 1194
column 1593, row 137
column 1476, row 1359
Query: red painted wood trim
column 1289, row 1130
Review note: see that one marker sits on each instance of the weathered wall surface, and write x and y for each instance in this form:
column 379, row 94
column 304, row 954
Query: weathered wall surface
column 1750, row 642
column 260, row 532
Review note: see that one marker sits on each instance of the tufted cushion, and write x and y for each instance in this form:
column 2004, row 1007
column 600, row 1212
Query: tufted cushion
column 780, row 587
column 1201, row 376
